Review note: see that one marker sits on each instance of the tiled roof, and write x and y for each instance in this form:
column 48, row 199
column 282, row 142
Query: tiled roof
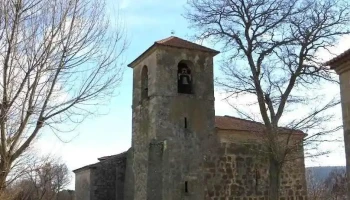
column 120, row 155
column 178, row 43
column 181, row 43
column 233, row 123
column 337, row 58
column 85, row 167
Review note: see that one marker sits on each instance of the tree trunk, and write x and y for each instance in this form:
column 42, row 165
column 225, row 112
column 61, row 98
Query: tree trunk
column 274, row 179
column 3, row 174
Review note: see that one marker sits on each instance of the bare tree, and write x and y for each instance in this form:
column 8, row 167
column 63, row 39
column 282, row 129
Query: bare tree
column 330, row 187
column 336, row 184
column 271, row 51
column 59, row 60
column 315, row 188
column 44, row 179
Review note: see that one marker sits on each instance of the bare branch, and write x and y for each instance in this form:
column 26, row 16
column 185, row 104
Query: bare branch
column 58, row 58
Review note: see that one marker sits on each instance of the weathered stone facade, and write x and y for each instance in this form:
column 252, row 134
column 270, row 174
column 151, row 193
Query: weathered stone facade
column 341, row 64
column 103, row 180
column 178, row 149
column 239, row 170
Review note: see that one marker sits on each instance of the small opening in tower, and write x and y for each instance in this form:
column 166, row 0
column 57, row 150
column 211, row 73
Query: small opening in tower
column 185, row 121
column 186, row 187
column 184, row 78
column 144, row 83
column 257, row 177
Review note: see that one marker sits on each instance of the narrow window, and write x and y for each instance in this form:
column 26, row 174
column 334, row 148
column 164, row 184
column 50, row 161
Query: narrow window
column 186, row 187
column 185, row 120
column 257, row 177
column 144, row 83
column 184, row 78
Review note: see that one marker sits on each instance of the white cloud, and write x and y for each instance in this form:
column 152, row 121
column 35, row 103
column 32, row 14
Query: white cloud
column 224, row 105
column 221, row 105
column 336, row 157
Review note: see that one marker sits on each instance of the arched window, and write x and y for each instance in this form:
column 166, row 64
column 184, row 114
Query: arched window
column 184, row 78
column 144, row 83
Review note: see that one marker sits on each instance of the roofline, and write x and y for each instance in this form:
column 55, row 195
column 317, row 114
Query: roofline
column 119, row 155
column 236, row 129
column 341, row 58
column 101, row 159
column 132, row 64
column 296, row 131
column 92, row 166
column 156, row 44
column 334, row 63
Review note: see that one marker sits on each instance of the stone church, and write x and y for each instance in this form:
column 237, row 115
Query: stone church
column 180, row 149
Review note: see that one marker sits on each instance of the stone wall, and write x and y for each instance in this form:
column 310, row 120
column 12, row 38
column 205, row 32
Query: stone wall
column 104, row 180
column 184, row 122
column 239, row 171
column 344, row 77
column 107, row 183
column 155, row 170
column 129, row 182
column 66, row 195
column 83, row 184
column 120, row 173
column 141, row 127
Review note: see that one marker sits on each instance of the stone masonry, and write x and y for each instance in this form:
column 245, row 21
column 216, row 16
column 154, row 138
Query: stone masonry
column 180, row 149
column 239, row 170
column 341, row 64
column 103, row 180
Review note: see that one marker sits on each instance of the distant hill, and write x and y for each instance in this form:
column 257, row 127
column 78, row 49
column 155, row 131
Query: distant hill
column 326, row 183
column 321, row 173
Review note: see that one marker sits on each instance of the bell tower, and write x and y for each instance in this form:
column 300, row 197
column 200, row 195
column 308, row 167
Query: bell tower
column 173, row 119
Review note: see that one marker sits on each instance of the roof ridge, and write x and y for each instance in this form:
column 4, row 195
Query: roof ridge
column 260, row 124
column 114, row 155
column 165, row 39
column 86, row 166
column 337, row 58
column 174, row 41
column 247, row 120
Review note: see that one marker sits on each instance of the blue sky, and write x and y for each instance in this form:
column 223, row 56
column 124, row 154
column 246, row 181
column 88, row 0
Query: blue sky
column 146, row 21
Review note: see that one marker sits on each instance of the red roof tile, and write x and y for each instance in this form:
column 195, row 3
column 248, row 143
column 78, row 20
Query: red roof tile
column 233, row 123
column 181, row 43
column 178, row 43
column 337, row 58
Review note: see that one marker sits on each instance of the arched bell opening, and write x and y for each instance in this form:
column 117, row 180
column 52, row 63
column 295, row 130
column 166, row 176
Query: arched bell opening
column 184, row 78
